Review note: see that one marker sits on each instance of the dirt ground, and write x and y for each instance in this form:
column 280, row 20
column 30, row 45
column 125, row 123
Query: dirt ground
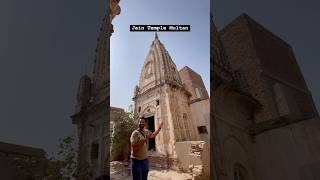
column 121, row 171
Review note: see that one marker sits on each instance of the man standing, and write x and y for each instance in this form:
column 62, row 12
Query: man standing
column 139, row 150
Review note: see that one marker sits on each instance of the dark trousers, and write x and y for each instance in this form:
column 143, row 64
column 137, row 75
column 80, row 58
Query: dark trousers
column 139, row 169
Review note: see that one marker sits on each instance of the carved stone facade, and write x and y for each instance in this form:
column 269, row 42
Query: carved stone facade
column 93, row 99
column 163, row 95
column 264, row 123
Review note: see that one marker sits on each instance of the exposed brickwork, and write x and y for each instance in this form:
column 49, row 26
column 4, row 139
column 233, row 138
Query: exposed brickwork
column 264, row 124
column 276, row 56
column 192, row 80
column 239, row 48
column 255, row 53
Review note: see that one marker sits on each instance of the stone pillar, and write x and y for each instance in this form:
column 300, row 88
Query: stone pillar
column 113, row 10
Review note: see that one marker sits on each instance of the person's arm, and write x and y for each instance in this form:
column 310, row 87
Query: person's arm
column 154, row 134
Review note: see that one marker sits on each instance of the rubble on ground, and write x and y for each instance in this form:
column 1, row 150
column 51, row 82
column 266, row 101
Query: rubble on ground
column 121, row 171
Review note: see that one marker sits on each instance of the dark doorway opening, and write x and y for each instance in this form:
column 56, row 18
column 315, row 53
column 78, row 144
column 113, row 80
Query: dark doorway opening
column 151, row 127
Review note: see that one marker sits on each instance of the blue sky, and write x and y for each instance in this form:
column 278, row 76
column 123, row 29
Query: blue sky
column 129, row 49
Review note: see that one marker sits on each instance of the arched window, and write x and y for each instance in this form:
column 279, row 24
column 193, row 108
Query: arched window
column 148, row 70
column 198, row 94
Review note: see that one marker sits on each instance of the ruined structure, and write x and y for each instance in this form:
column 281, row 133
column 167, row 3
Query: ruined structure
column 264, row 123
column 92, row 108
column 172, row 96
column 199, row 102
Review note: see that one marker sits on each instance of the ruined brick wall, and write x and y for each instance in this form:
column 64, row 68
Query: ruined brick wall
column 192, row 80
column 279, row 65
column 260, row 59
column 275, row 55
column 193, row 158
column 239, row 48
column 199, row 102
column 265, row 67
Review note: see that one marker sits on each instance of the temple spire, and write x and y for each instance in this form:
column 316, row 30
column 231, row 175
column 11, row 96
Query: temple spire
column 158, row 67
column 156, row 36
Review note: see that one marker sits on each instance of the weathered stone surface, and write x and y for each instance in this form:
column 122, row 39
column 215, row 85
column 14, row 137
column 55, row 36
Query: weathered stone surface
column 193, row 157
column 162, row 95
column 265, row 125
column 179, row 99
column 92, row 108
column 199, row 102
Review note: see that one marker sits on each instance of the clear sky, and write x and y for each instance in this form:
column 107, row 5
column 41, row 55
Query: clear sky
column 295, row 21
column 129, row 49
